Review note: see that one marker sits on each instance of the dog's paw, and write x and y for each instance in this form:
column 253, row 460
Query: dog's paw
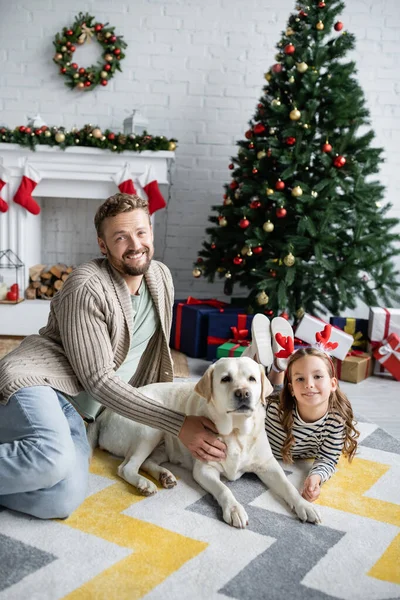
column 167, row 480
column 236, row 516
column 307, row 512
column 146, row 487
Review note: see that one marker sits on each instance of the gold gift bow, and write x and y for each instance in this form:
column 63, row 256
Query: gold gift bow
column 350, row 328
column 87, row 33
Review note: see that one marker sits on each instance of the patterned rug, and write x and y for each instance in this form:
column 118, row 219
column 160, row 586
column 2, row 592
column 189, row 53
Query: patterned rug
column 174, row 545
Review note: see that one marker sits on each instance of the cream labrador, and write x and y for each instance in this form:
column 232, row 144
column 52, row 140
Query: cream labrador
column 232, row 394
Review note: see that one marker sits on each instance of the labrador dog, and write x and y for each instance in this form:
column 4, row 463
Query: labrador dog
column 232, row 394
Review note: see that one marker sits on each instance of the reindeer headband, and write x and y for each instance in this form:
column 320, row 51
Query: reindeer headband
column 322, row 343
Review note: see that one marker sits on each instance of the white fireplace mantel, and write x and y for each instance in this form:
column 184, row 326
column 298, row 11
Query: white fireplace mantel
column 77, row 172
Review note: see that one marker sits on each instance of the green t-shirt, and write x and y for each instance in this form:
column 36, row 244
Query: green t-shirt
column 145, row 323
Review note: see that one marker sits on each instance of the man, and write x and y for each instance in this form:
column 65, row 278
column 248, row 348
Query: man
column 107, row 335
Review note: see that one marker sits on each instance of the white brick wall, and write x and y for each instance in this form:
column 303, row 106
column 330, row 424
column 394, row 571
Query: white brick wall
column 195, row 69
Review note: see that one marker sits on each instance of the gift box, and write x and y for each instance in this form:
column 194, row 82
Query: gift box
column 190, row 325
column 356, row 367
column 309, row 326
column 229, row 326
column 383, row 322
column 388, row 355
column 230, row 349
column 358, row 328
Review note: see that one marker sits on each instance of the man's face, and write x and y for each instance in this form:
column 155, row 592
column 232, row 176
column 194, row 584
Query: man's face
column 127, row 241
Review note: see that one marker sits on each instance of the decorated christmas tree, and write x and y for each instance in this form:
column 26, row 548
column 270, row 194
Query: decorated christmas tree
column 302, row 225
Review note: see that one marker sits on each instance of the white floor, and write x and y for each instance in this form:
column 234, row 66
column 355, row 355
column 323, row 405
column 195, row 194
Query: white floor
column 376, row 399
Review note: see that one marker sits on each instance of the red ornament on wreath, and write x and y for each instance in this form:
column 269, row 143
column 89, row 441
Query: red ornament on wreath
column 339, row 161
column 244, row 223
column 281, row 212
column 326, row 147
column 83, row 30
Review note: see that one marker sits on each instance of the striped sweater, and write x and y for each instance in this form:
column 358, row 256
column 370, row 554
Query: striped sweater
column 322, row 440
column 88, row 336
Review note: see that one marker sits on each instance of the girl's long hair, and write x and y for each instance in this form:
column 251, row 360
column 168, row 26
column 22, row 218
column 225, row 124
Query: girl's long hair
column 338, row 404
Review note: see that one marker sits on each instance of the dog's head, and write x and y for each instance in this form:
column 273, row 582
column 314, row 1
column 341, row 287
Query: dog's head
column 234, row 385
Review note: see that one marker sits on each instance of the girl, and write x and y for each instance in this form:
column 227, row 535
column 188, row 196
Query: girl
column 312, row 417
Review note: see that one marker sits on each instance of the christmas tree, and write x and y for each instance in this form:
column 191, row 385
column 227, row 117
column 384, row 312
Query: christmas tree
column 302, row 225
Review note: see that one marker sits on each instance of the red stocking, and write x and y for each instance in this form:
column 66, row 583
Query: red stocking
column 150, row 187
column 123, row 179
column 23, row 196
column 3, row 181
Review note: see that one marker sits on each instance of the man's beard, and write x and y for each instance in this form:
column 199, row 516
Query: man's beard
column 126, row 269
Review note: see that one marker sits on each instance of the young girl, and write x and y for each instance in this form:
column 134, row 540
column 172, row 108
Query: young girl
column 312, row 418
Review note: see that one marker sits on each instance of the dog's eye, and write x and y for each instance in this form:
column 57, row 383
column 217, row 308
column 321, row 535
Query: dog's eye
column 226, row 379
column 252, row 378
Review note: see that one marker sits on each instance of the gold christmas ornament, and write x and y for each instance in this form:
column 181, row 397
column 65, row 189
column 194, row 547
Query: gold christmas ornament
column 262, row 298
column 109, row 57
column 196, row 273
column 267, row 76
column 228, row 274
column 300, row 312
column 291, row 79
column 297, row 191
column 276, row 102
column 171, row 146
column 80, row 85
column 47, row 133
column 97, row 133
column 103, row 137
column 289, row 31
column 76, row 76
column 268, row 226
column 295, row 114
column 227, row 202
column 58, row 56
column 103, row 74
column 223, row 222
column 306, row 126
column 314, row 194
column 302, row 67
column 269, row 191
column 320, row 26
column 244, row 250
column 108, row 34
column 250, row 252
column 289, row 260
column 237, row 194
column 59, row 137
column 261, row 154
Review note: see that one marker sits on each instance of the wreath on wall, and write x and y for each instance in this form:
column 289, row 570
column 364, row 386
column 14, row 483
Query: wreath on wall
column 84, row 29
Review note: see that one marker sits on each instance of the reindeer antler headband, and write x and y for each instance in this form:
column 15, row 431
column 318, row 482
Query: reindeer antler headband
column 322, row 343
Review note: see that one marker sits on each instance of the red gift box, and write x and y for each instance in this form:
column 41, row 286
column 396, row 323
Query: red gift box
column 388, row 355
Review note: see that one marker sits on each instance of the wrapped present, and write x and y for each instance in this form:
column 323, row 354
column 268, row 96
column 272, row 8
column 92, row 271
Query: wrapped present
column 231, row 349
column 356, row 367
column 358, row 328
column 388, row 355
column 383, row 322
column 190, row 325
column 230, row 326
column 309, row 326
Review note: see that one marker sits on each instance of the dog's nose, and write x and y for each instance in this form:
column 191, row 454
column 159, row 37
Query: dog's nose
column 242, row 394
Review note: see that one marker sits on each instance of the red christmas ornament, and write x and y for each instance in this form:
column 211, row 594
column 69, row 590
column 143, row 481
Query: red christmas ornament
column 260, row 105
column 272, row 273
column 244, row 223
column 255, row 204
column 233, row 185
column 63, row 70
column 326, row 147
column 255, row 171
column 117, row 51
column 28, row 130
column 22, row 128
column 259, row 128
column 290, row 140
column 277, row 68
column 68, row 44
column 104, row 82
column 74, row 66
column 280, row 185
column 321, row 5
column 199, row 260
column 238, row 260
column 251, row 145
column 225, row 196
column 302, row 13
column 248, row 134
column 338, row 26
column 257, row 250
column 339, row 161
column 213, row 246
column 269, row 313
column 281, row 212
column 69, row 32
column 231, row 166
column 289, row 49
column 98, row 27
column 113, row 39
column 87, row 84
column 82, row 71
column 284, row 315
column 72, row 49
column 107, row 67
column 111, row 136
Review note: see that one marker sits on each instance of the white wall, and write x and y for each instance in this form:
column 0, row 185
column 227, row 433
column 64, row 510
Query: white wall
column 195, row 69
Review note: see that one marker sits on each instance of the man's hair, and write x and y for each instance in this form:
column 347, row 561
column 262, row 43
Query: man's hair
column 117, row 204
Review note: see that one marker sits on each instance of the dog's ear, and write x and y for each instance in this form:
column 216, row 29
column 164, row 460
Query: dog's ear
column 266, row 387
column 204, row 387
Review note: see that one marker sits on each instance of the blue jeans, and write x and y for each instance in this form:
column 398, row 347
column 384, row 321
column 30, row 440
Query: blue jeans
column 44, row 454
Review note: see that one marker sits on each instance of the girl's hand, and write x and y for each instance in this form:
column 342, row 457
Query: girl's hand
column 311, row 488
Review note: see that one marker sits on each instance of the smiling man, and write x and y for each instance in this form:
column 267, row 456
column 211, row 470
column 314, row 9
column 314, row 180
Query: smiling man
column 106, row 336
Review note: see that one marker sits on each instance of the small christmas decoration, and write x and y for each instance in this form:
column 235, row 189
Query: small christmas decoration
column 289, row 260
column 280, row 185
column 257, row 249
column 284, row 315
column 268, row 226
column 338, row 26
column 290, row 141
column 295, row 114
column 237, row 260
column 23, row 196
column 231, row 166
column 289, row 49
column 97, row 133
column 261, row 154
column 297, row 191
column 321, row 4
column 222, row 222
column 259, row 128
column 276, row 102
column 59, row 137
column 244, row 223
column 320, row 26
column 227, row 202
column 277, row 68
column 196, row 273
column 281, row 212
column 272, row 273
column 302, row 67
column 326, row 147
column 339, row 161
column 262, row 299
column 228, row 275
column 269, row 192
column 83, row 30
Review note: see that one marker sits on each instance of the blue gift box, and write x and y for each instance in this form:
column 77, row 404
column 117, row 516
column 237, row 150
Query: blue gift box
column 190, row 326
column 358, row 328
column 220, row 329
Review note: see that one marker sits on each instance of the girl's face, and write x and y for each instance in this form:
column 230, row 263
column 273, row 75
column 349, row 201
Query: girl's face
column 311, row 384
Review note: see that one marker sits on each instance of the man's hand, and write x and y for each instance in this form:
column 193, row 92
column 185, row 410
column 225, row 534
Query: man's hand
column 197, row 434
column 311, row 488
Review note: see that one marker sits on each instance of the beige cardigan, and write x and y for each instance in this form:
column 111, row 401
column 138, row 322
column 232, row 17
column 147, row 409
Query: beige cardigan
column 87, row 338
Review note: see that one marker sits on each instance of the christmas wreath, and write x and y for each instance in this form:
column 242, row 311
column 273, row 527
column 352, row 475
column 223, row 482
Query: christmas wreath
column 83, row 30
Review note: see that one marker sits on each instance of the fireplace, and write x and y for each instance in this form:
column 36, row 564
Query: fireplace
column 77, row 179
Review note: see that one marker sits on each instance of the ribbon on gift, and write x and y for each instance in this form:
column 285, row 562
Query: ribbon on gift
column 239, row 334
column 386, row 351
column 350, row 328
column 190, row 302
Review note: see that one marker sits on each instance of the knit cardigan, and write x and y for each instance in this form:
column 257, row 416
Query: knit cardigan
column 88, row 336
